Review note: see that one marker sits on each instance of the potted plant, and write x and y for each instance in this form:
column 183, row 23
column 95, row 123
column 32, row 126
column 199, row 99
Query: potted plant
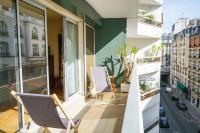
column 150, row 18
column 126, row 56
column 155, row 50
column 144, row 87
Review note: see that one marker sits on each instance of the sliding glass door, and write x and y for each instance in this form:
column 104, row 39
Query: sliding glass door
column 71, row 57
column 89, row 53
column 33, row 47
column 9, row 67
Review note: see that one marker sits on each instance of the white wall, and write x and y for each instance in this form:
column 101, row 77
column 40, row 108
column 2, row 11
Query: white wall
column 150, row 107
column 137, row 29
column 148, row 68
column 180, row 25
column 148, row 30
column 143, row 44
column 155, row 129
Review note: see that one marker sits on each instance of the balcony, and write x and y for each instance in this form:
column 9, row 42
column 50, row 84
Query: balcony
column 110, row 118
column 148, row 60
column 103, row 118
column 6, row 34
column 143, row 27
column 148, row 103
column 151, row 2
column 95, row 117
column 4, row 54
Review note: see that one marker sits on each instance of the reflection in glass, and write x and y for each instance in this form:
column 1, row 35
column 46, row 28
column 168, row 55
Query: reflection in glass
column 9, row 67
column 89, row 55
column 72, row 58
column 32, row 25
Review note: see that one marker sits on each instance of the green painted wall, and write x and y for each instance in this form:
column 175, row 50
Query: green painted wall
column 81, row 9
column 109, row 36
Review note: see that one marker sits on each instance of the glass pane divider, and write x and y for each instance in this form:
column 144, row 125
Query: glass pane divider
column 47, row 59
column 21, row 109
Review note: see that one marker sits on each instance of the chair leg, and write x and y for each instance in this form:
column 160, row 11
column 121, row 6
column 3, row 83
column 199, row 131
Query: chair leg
column 28, row 127
column 68, row 131
column 68, row 127
column 114, row 98
column 46, row 130
column 75, row 130
column 96, row 97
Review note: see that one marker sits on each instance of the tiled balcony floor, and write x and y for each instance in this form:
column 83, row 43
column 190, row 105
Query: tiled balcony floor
column 103, row 118
column 96, row 117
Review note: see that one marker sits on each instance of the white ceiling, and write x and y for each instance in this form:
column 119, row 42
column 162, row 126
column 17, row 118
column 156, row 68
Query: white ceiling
column 115, row 8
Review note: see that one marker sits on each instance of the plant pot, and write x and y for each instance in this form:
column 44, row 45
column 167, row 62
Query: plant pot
column 125, row 87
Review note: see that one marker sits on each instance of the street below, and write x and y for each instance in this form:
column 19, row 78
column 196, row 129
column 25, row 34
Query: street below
column 179, row 121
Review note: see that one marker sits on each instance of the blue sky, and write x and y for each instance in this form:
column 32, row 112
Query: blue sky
column 173, row 9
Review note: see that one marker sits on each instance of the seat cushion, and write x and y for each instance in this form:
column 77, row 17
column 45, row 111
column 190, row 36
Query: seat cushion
column 107, row 89
column 65, row 121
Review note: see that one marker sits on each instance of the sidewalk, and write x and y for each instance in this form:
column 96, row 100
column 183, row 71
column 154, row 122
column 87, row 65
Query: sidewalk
column 193, row 112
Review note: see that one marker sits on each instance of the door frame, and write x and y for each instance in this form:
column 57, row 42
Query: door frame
column 43, row 5
column 31, row 3
column 65, row 46
column 85, row 55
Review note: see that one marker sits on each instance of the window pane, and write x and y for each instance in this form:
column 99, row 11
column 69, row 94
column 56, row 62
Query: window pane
column 32, row 25
column 72, row 58
column 89, row 55
column 9, row 67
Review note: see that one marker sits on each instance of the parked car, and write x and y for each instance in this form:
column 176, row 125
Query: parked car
column 181, row 106
column 162, row 111
column 174, row 98
column 163, row 85
column 164, row 122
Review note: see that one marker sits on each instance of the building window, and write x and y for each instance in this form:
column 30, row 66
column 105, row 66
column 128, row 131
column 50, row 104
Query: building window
column 43, row 50
column 193, row 100
column 4, row 49
column 21, row 32
column 5, row 8
column 3, row 28
column 34, row 33
column 195, row 41
column 35, row 50
column 15, row 31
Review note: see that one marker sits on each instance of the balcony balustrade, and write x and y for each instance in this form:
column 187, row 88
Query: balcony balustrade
column 149, row 21
column 148, row 60
column 143, row 27
column 4, row 34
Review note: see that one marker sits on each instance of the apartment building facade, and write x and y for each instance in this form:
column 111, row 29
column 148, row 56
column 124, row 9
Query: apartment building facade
column 184, row 61
column 179, row 53
column 166, row 56
column 166, row 46
column 179, row 60
column 47, row 46
column 194, row 68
